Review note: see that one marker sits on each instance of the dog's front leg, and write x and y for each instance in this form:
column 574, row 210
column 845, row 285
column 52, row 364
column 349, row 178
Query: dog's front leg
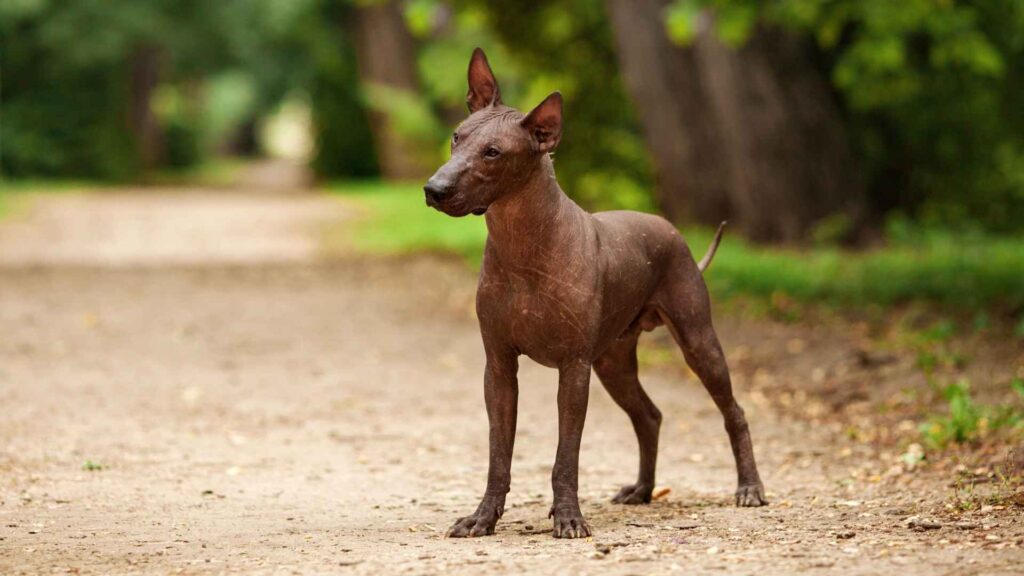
column 573, row 392
column 501, row 394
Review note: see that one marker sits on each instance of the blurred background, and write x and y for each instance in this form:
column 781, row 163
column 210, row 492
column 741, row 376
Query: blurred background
column 798, row 120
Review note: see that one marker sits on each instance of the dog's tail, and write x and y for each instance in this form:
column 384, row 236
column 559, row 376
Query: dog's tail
column 710, row 255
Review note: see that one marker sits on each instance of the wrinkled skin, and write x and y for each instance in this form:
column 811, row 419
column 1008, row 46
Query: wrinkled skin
column 572, row 291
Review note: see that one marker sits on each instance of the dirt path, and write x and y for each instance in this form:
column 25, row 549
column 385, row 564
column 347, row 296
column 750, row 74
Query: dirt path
column 254, row 408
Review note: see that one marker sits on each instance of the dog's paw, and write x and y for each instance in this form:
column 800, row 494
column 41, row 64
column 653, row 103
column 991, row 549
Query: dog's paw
column 634, row 494
column 569, row 524
column 479, row 523
column 751, row 495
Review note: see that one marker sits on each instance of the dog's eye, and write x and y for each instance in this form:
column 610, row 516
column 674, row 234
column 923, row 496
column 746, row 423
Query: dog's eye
column 491, row 153
column 455, row 138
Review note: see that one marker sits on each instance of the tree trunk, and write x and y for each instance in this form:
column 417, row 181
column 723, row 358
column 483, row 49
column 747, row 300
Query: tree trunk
column 752, row 135
column 244, row 140
column 386, row 55
column 672, row 105
column 145, row 76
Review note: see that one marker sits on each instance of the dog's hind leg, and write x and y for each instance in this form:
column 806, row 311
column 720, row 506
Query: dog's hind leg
column 685, row 308
column 617, row 369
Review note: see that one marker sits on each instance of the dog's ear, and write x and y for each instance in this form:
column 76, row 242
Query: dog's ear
column 544, row 123
column 483, row 88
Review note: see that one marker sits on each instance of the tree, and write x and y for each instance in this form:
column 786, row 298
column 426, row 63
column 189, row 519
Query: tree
column 81, row 103
column 928, row 92
column 752, row 134
column 387, row 69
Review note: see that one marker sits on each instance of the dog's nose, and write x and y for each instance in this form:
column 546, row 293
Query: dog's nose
column 435, row 192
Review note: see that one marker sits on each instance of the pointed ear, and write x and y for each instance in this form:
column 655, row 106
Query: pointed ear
column 544, row 122
column 483, row 88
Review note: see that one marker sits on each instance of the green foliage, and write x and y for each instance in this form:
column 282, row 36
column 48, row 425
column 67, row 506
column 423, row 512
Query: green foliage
column 62, row 124
column 58, row 117
column 344, row 143
column 968, row 421
column 932, row 90
column 67, row 86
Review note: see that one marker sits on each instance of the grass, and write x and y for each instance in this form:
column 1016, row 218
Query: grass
column 90, row 466
column 973, row 273
column 396, row 221
column 14, row 192
column 968, row 421
column 11, row 188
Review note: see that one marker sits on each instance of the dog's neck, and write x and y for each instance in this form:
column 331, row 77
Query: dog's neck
column 528, row 226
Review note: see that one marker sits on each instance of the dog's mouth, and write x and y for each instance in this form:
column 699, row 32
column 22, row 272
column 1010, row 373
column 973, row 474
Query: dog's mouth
column 454, row 206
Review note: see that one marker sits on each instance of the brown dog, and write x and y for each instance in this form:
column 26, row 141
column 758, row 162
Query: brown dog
column 572, row 291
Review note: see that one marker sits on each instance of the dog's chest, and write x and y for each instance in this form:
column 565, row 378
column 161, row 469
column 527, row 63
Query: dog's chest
column 544, row 316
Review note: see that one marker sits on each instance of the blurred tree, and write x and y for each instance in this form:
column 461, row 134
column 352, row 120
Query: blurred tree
column 144, row 66
column 386, row 55
column 342, row 136
column 118, row 53
column 930, row 92
column 114, row 88
column 753, row 134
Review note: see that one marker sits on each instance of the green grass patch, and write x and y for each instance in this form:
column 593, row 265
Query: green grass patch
column 395, row 220
column 960, row 273
column 13, row 193
column 9, row 188
column 974, row 272
column 967, row 421
column 90, row 466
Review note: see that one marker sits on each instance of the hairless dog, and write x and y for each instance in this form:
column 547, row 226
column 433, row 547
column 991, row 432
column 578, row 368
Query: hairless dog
column 572, row 291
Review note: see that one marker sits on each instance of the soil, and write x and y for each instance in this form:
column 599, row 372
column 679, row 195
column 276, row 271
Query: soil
column 189, row 385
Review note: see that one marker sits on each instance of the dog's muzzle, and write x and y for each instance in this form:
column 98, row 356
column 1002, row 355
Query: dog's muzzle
column 435, row 193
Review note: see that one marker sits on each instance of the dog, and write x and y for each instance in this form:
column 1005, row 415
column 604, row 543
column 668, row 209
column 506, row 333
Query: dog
column 572, row 291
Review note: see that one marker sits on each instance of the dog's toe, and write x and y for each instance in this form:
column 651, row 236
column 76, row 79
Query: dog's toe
column 749, row 496
column 471, row 527
column 634, row 494
column 571, row 527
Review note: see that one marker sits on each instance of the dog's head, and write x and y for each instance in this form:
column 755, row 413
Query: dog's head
column 495, row 150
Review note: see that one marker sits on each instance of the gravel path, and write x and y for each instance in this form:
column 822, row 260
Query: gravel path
column 189, row 387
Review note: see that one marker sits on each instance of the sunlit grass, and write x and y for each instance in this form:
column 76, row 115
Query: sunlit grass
column 956, row 273
column 395, row 220
column 966, row 273
column 13, row 193
column 9, row 188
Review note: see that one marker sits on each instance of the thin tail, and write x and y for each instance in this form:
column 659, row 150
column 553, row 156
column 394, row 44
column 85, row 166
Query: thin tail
column 710, row 255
